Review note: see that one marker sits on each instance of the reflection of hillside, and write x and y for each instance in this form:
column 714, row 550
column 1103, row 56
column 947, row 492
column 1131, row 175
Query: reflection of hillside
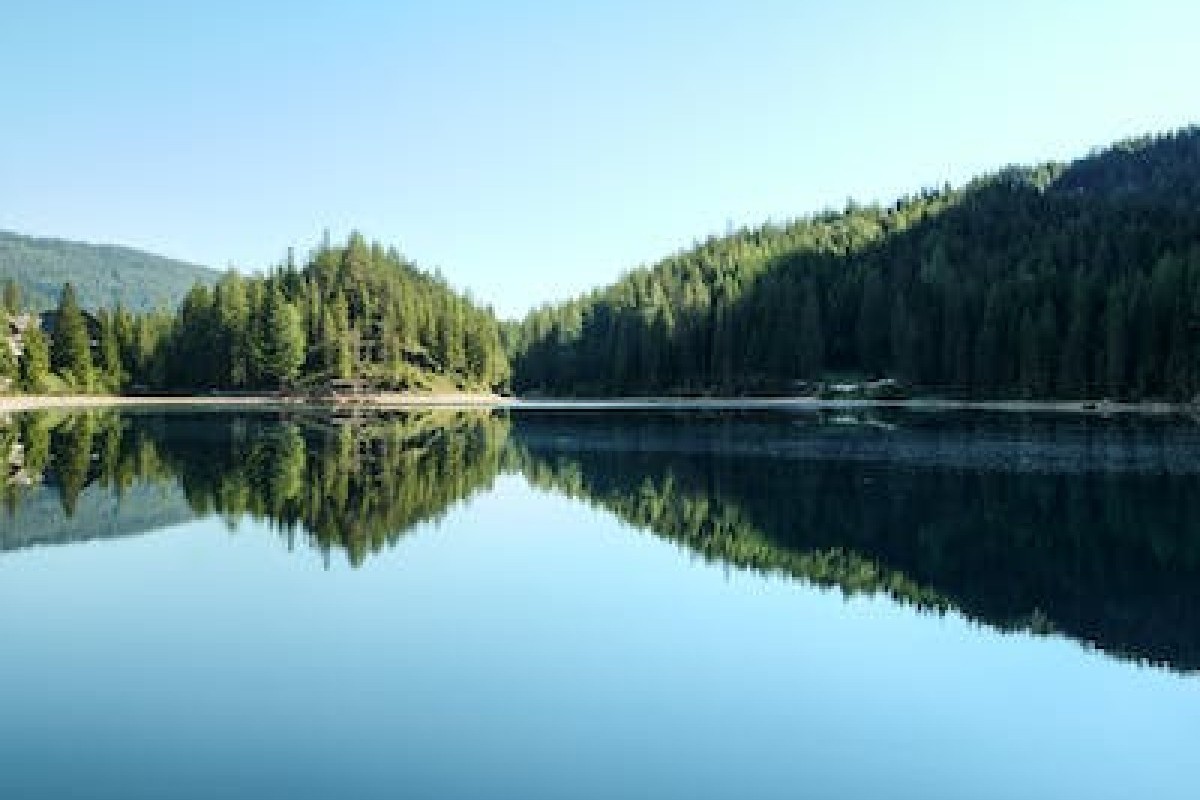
column 71, row 478
column 1106, row 554
column 100, row 513
column 1076, row 527
column 354, row 484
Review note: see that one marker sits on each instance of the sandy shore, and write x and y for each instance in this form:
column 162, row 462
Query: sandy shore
column 469, row 400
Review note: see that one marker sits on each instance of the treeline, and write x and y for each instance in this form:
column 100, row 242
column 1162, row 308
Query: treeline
column 1058, row 281
column 76, row 353
column 359, row 312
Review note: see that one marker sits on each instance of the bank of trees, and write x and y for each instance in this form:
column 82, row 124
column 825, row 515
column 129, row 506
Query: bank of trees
column 61, row 350
column 357, row 311
column 1059, row 281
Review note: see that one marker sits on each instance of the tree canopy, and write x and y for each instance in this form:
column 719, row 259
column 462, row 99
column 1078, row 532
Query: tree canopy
column 357, row 311
column 1077, row 280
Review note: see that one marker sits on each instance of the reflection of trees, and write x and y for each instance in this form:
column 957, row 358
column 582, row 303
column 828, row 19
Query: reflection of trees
column 1046, row 528
column 71, row 452
column 349, row 483
column 1107, row 556
column 352, row 484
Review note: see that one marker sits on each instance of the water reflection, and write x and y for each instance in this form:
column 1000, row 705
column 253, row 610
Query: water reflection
column 1048, row 525
column 350, row 483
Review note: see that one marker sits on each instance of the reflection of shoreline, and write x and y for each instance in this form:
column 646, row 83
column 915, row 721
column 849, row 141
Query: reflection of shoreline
column 100, row 513
column 19, row 403
column 1034, row 528
column 1104, row 557
column 346, row 480
column 400, row 400
column 1083, row 407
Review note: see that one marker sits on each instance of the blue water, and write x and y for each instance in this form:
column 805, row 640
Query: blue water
column 529, row 645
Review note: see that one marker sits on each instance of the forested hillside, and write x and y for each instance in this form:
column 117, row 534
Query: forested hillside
column 358, row 317
column 359, row 312
column 1078, row 280
column 103, row 275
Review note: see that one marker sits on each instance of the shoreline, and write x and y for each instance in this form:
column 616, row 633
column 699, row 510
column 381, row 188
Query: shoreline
column 19, row 403
column 1086, row 407
column 218, row 402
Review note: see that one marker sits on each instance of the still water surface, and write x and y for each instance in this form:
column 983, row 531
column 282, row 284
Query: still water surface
column 598, row 606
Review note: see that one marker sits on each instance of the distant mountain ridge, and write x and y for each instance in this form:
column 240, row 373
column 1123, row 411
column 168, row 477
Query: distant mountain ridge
column 103, row 275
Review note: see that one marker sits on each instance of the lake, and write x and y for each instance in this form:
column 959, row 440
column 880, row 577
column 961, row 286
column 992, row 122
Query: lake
column 559, row 604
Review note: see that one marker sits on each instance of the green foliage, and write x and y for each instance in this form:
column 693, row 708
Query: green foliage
column 282, row 343
column 103, row 275
column 70, row 344
column 358, row 311
column 35, row 362
column 8, row 363
column 1058, row 281
column 110, row 369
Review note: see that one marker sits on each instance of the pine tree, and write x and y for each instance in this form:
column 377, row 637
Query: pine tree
column 281, row 345
column 112, row 374
column 71, row 351
column 35, row 361
column 8, row 363
column 873, row 325
column 811, row 345
column 1116, row 333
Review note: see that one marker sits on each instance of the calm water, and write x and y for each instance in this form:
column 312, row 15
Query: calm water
column 559, row 605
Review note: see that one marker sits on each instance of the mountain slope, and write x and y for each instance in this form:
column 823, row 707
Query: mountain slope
column 1075, row 280
column 103, row 275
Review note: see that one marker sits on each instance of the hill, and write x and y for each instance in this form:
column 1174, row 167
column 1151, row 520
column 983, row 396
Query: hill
column 358, row 317
column 1061, row 280
column 104, row 275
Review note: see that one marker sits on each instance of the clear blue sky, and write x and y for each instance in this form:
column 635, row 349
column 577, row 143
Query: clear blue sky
column 532, row 150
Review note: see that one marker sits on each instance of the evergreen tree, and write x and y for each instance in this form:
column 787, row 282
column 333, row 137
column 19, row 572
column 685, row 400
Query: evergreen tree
column 71, row 350
column 811, row 346
column 35, row 361
column 8, row 363
column 111, row 370
column 281, row 346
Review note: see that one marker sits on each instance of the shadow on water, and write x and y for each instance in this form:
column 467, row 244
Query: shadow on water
column 1074, row 526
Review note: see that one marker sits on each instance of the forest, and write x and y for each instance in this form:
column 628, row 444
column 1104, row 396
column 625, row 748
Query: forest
column 359, row 313
column 102, row 275
column 1058, row 281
